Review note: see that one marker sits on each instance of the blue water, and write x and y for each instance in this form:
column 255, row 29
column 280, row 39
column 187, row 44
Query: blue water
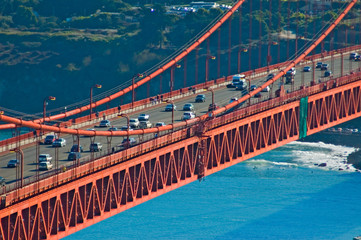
column 278, row 195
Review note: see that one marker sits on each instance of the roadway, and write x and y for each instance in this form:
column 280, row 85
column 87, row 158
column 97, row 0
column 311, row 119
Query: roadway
column 157, row 114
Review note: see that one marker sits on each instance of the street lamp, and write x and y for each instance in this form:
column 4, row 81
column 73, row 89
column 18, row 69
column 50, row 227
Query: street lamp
column 91, row 98
column 172, row 77
column 212, row 91
column 171, row 102
column 138, row 75
column 51, row 98
column 127, row 117
column 18, row 150
column 212, row 58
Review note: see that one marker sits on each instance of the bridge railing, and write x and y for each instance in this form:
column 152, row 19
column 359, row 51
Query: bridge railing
column 29, row 138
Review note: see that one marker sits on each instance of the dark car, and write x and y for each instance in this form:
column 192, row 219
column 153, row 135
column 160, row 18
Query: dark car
column 270, row 76
column 126, row 143
column 307, row 69
column 213, row 107
column 200, row 98
column 358, row 58
column 74, row 148
column 2, row 181
column 254, row 87
column 324, row 66
column 49, row 139
column 328, row 74
column 353, row 55
column 104, row 123
column 319, row 64
column 13, row 163
column 74, row 156
column 95, row 147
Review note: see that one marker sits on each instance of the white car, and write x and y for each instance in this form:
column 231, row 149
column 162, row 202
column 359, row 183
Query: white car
column 159, row 124
column 169, row 107
column 45, row 165
column 266, row 89
column 134, row 123
column 60, row 142
column 188, row 115
column 143, row 117
column 145, row 124
column 45, row 158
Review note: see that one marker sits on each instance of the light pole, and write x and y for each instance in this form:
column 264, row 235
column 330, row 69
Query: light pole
column 212, row 91
column 51, row 98
column 207, row 68
column 138, row 75
column 172, row 77
column 91, row 98
column 127, row 117
column 18, row 150
column 171, row 102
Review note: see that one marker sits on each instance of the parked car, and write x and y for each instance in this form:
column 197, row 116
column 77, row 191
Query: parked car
column 74, row 148
column 125, row 128
column 188, row 115
column 324, row 66
column 113, row 129
column 60, row 142
column 307, row 69
column 233, row 99
column 49, row 139
column 353, row 55
column 45, row 158
column 13, row 163
column 319, row 64
column 134, row 123
column 328, row 73
column 169, row 107
column 188, row 107
column 143, row 117
column 131, row 142
column 74, row 156
column 2, row 181
column 145, row 124
column 159, row 124
column 266, row 89
column 104, row 123
column 213, row 107
column 45, row 165
column 271, row 75
column 200, row 98
column 95, row 147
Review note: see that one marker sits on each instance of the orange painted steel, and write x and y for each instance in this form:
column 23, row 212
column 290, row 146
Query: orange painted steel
column 208, row 147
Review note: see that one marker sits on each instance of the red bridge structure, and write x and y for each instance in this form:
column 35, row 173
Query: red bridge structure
column 70, row 199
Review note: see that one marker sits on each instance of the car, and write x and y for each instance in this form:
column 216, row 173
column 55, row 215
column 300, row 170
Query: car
column 307, row 69
column 126, row 143
column 74, row 148
column 213, row 107
column 270, row 76
column 358, row 58
column 143, row 117
column 45, row 158
column 170, row 107
column 328, row 73
column 188, row 107
column 74, row 156
column 13, row 163
column 233, row 99
column 134, row 122
column 353, row 55
column 95, row 147
column 45, row 165
column 113, row 129
column 145, row 124
column 104, row 123
column 60, row 142
column 200, row 98
column 188, row 115
column 125, row 128
column 266, row 89
column 324, row 66
column 49, row 139
column 254, row 87
column 2, row 181
column 293, row 70
column 319, row 64
column 159, row 124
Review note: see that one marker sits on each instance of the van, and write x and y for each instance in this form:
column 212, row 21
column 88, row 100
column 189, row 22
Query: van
column 74, row 156
column 95, row 147
column 237, row 79
column 242, row 85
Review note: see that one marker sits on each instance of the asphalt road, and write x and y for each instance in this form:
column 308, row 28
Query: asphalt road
column 157, row 114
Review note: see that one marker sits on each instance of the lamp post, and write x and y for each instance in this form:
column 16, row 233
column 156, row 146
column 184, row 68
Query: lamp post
column 172, row 77
column 171, row 102
column 212, row 91
column 51, row 98
column 127, row 117
column 18, row 150
column 207, row 68
column 91, row 98
column 138, row 75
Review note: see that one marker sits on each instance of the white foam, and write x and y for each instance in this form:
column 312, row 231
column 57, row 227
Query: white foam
column 263, row 162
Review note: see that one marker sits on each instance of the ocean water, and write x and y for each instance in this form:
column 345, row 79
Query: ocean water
column 282, row 194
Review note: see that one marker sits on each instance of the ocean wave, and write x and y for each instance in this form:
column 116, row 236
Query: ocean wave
column 268, row 163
